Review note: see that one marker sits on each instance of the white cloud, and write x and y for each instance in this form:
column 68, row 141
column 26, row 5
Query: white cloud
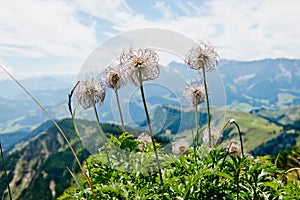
column 42, row 28
column 164, row 9
column 243, row 30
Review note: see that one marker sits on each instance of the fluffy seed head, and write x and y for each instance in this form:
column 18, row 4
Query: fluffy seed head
column 113, row 77
column 180, row 146
column 234, row 149
column 90, row 92
column 215, row 136
column 194, row 93
column 140, row 65
column 202, row 55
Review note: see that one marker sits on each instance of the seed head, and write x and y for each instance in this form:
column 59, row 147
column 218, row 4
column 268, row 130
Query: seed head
column 145, row 139
column 90, row 92
column 194, row 93
column 113, row 77
column 231, row 121
column 140, row 65
column 180, row 146
column 202, row 55
column 234, row 149
column 215, row 136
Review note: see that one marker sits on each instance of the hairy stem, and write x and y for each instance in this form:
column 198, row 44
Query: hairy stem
column 207, row 105
column 240, row 134
column 150, row 128
column 102, row 135
column 197, row 125
column 120, row 111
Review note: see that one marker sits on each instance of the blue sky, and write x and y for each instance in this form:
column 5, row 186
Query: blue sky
column 55, row 37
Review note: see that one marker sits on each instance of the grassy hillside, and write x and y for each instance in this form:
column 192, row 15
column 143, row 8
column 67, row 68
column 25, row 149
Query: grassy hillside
column 38, row 168
column 178, row 122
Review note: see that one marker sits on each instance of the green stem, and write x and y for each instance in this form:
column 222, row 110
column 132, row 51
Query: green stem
column 120, row 111
column 5, row 172
column 207, row 105
column 194, row 145
column 102, row 135
column 150, row 128
column 197, row 125
column 240, row 134
column 237, row 183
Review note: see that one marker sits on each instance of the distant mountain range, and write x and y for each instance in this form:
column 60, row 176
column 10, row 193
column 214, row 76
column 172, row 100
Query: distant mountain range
column 269, row 83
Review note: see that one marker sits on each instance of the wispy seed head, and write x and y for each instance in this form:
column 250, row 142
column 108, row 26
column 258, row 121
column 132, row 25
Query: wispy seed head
column 195, row 93
column 140, row 65
column 90, row 92
column 113, row 77
column 202, row 55
column 215, row 136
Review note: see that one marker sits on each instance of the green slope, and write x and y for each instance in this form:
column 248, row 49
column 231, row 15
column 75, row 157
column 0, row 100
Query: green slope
column 38, row 169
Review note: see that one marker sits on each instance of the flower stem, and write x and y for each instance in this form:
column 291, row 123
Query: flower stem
column 99, row 124
column 197, row 125
column 102, row 135
column 237, row 183
column 240, row 134
column 207, row 105
column 5, row 172
column 120, row 111
column 150, row 128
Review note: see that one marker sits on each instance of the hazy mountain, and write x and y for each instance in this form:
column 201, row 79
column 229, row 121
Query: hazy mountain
column 10, row 90
column 15, row 103
column 270, row 83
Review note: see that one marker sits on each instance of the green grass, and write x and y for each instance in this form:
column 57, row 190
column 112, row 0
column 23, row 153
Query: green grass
column 199, row 174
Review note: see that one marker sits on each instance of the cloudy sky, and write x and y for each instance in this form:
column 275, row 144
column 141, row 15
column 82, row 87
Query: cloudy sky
column 56, row 36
